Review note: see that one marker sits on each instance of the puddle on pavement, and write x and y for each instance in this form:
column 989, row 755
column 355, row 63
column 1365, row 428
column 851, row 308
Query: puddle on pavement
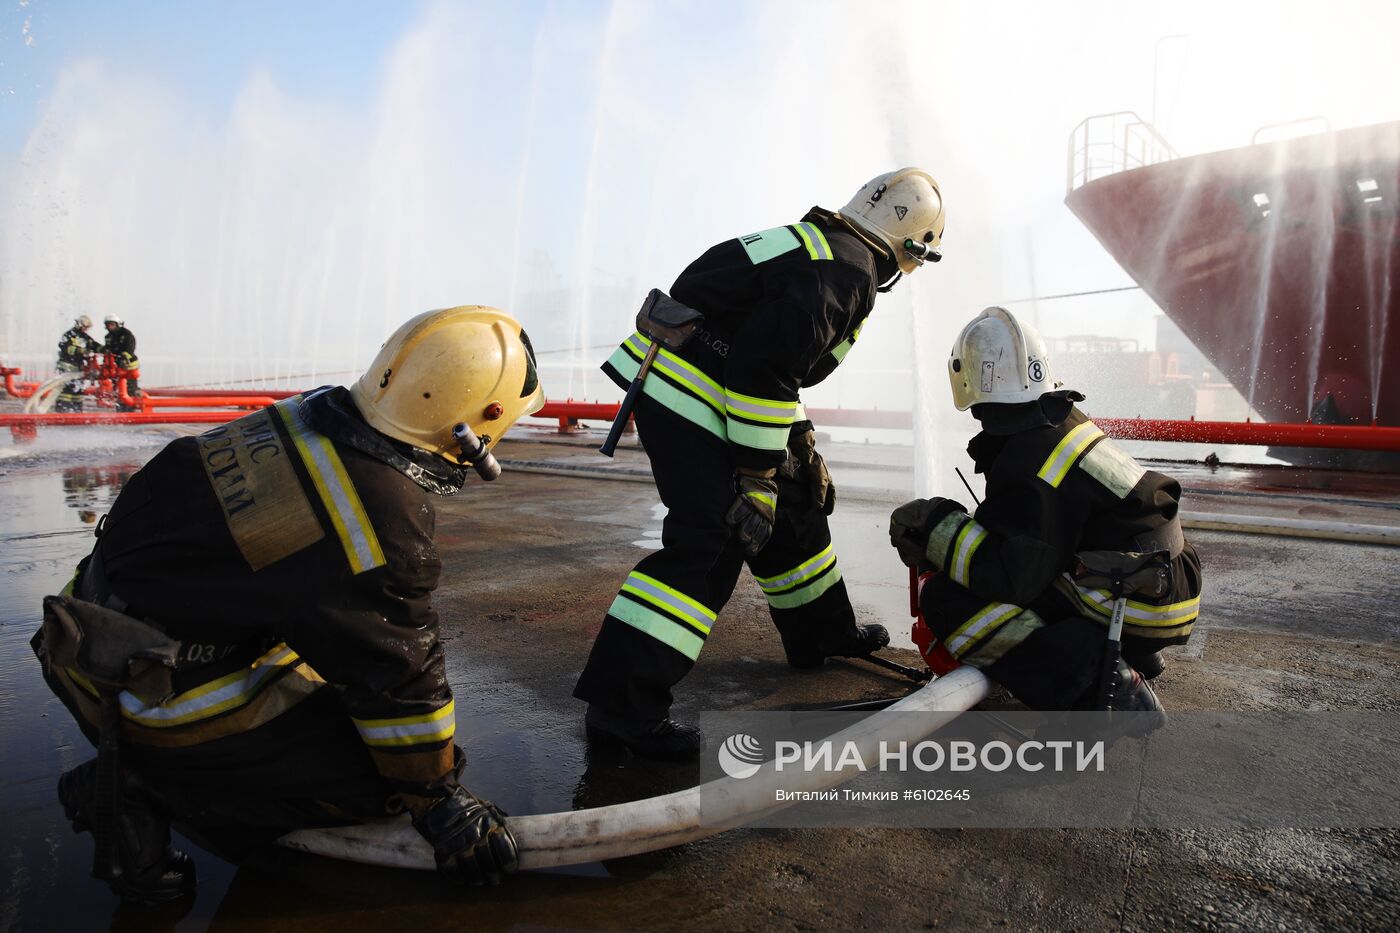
column 519, row 755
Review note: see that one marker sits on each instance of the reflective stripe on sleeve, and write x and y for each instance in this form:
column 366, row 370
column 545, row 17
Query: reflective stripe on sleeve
column 804, row 583
column 1067, row 451
column 337, row 492
column 940, row 540
column 422, row 729
column 767, row 410
column 969, row 539
column 814, row 240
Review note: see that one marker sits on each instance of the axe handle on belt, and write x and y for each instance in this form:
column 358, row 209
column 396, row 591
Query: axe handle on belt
column 629, row 401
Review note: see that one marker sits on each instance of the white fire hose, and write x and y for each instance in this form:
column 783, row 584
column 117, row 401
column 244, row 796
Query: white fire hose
column 549, row 840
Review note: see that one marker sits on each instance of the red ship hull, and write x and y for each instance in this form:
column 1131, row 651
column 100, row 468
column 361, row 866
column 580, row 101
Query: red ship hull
column 1280, row 261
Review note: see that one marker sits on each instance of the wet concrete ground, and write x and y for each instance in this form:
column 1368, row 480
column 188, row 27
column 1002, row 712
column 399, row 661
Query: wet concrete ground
column 530, row 565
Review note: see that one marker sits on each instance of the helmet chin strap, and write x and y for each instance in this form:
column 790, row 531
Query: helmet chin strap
column 890, row 283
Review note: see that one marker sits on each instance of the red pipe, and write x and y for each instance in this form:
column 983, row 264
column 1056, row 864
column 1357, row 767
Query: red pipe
column 1249, row 433
column 24, row 389
column 176, row 391
column 71, row 418
column 568, row 413
column 212, row 401
column 1334, row 436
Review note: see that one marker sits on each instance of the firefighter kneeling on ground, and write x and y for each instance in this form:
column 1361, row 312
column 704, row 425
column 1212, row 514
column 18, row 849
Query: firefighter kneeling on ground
column 73, row 349
column 1005, row 598
column 253, row 637
column 121, row 346
column 734, row 456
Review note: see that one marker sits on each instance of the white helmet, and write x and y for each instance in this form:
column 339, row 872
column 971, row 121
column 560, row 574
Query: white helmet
column 903, row 211
column 998, row 359
column 113, row 319
column 471, row 365
column 83, row 321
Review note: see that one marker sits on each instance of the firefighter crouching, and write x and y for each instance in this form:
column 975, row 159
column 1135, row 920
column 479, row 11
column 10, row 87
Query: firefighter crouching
column 256, row 628
column 73, row 349
column 734, row 457
column 1005, row 598
column 121, row 346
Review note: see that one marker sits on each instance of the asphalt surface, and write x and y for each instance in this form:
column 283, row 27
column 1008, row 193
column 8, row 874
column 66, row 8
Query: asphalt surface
column 530, row 566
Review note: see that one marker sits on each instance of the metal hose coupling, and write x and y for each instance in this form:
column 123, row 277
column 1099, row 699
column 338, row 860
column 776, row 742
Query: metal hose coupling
column 475, row 452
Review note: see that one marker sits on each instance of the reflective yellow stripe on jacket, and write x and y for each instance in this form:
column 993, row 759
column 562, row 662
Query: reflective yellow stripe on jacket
column 337, row 492
column 1067, row 451
column 1139, row 618
column 208, row 700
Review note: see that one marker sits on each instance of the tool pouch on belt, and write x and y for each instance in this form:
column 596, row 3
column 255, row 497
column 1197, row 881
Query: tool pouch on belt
column 665, row 319
column 115, row 652
column 109, row 648
column 1147, row 575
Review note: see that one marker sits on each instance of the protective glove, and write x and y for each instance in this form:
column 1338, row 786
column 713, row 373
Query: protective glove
column 913, row 522
column 754, row 507
column 469, row 838
column 804, row 448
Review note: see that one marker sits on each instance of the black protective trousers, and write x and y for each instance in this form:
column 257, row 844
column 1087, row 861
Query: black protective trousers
column 657, row 625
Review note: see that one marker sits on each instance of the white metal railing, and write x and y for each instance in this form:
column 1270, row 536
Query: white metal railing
column 1108, row 143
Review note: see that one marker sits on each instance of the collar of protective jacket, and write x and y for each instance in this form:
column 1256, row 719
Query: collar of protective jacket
column 1000, row 422
column 329, row 411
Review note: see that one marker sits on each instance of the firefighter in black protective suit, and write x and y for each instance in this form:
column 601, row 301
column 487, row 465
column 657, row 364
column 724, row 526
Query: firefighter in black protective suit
column 278, row 573
column 1006, row 599
column 73, row 349
column 121, row 346
column 733, row 456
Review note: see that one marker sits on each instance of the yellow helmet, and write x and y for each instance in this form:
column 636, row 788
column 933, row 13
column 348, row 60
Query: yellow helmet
column 471, row 365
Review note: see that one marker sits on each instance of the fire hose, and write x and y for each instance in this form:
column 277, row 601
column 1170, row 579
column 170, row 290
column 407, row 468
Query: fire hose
column 553, row 839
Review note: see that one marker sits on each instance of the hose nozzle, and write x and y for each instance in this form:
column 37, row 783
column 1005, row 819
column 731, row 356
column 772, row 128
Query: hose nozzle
column 475, row 452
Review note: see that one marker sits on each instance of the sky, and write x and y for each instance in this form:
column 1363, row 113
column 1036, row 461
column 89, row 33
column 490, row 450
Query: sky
column 266, row 189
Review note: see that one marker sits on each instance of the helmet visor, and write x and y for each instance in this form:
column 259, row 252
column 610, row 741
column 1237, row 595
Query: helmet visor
column 532, row 376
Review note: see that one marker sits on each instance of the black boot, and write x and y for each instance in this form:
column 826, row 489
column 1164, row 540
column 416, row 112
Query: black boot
column 663, row 739
column 1149, row 665
column 144, row 869
column 1130, row 695
column 868, row 640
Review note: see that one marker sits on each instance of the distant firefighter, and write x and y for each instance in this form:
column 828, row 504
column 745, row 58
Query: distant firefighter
column 73, row 349
column 252, row 644
column 734, row 456
column 1010, row 595
column 121, row 344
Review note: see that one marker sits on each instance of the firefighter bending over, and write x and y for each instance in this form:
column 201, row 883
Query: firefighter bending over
column 265, row 590
column 1005, row 598
column 121, row 346
column 734, row 457
column 73, row 349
